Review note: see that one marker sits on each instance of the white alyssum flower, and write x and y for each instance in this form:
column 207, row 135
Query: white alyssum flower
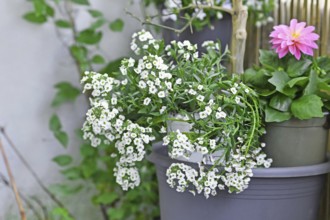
column 146, row 101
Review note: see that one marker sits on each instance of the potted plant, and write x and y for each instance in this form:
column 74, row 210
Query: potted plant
column 210, row 125
column 295, row 92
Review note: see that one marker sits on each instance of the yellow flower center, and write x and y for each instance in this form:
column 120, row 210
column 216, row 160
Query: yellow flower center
column 295, row 35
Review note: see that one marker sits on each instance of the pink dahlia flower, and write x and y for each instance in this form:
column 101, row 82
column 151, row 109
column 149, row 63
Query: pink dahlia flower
column 295, row 39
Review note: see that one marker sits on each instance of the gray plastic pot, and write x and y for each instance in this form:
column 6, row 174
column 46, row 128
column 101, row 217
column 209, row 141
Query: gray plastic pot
column 274, row 194
column 297, row 142
column 222, row 31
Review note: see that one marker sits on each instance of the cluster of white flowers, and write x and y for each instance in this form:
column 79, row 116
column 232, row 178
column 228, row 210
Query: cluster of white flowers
column 211, row 45
column 181, row 176
column 185, row 48
column 127, row 177
column 142, row 41
column 178, row 145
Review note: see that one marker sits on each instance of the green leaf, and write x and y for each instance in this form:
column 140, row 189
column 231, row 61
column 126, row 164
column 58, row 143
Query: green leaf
column 256, row 78
column 97, row 24
column 50, row 11
column 95, row 13
column 105, row 198
column 116, row 214
column 98, row 59
column 270, row 60
column 280, row 80
column 32, row 17
column 112, row 66
column 79, row 53
column 55, row 123
column 65, row 93
column 87, row 150
column 323, row 90
column 62, row 137
column 89, row 36
column 311, row 87
column 63, row 160
column 117, row 25
column 81, row 2
column 299, row 81
column 306, row 107
column 280, row 102
column 72, row 173
column 63, row 24
column 324, row 63
column 62, row 213
column 88, row 167
column 39, row 7
column 298, row 67
column 272, row 115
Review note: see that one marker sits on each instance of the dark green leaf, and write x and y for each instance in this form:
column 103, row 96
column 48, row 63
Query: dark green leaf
column 272, row 115
column 116, row 214
column 89, row 36
column 55, row 123
column 62, row 137
column 63, row 160
column 324, row 90
column 299, row 81
column 270, row 60
column 98, row 59
column 63, row 24
column 307, row 107
column 324, row 63
column 81, row 2
column 117, row 25
column 65, row 93
column 32, row 17
column 72, row 173
column 298, row 67
column 280, row 102
column 88, row 167
column 311, row 87
column 112, row 66
column 50, row 11
column 256, row 78
column 95, row 13
column 105, row 198
column 87, row 150
column 280, row 80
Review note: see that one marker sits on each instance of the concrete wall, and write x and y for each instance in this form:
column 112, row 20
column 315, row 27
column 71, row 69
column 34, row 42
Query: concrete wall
column 32, row 60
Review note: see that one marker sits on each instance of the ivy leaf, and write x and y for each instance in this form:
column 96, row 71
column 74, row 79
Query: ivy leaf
column 34, row 18
column 62, row 137
column 273, row 115
column 105, row 198
column 63, row 160
column 306, row 107
column 95, row 13
column 56, row 127
column 72, row 173
column 298, row 67
column 280, row 102
column 89, row 36
column 280, row 80
column 81, row 2
column 65, row 93
column 117, row 25
column 55, row 123
column 98, row 59
column 63, row 23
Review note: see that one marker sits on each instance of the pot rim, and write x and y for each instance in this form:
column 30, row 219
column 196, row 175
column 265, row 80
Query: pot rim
column 272, row 172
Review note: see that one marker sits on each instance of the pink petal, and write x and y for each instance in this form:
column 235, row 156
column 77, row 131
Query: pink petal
column 282, row 52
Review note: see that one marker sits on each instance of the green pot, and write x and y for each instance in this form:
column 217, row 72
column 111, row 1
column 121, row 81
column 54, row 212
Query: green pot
column 297, row 142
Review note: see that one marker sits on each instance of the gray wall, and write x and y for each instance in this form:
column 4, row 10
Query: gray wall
column 32, row 60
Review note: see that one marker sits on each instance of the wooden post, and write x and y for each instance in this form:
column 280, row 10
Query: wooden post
column 239, row 35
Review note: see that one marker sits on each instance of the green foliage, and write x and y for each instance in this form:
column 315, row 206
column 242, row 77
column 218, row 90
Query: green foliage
column 65, row 93
column 117, row 25
column 89, row 36
column 32, row 17
column 56, row 127
column 81, row 2
column 63, row 160
column 291, row 88
column 63, row 23
column 61, row 213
